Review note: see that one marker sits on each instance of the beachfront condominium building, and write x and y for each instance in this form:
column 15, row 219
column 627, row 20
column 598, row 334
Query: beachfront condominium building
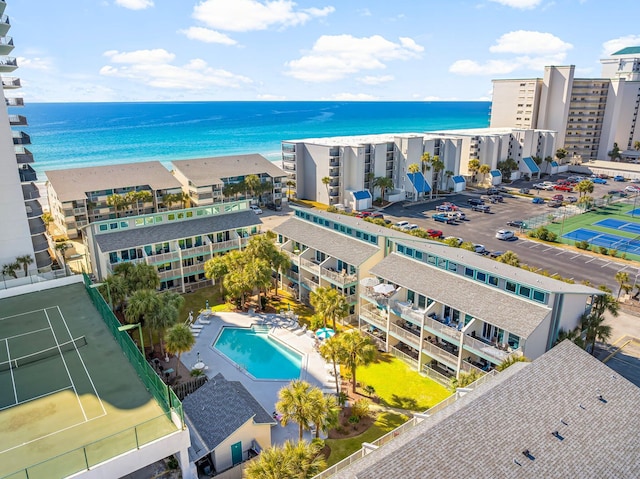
column 442, row 310
column 589, row 114
column 20, row 210
column 80, row 196
column 533, row 420
column 213, row 180
column 177, row 242
column 343, row 170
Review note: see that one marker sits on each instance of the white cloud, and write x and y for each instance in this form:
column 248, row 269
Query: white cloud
column 35, row 63
column 619, row 43
column 492, row 67
column 334, row 57
column 376, row 80
column 250, row 15
column 529, row 42
column 208, row 36
column 522, row 4
column 135, row 4
column 152, row 68
column 268, row 97
column 159, row 55
column 351, row 97
column 364, row 12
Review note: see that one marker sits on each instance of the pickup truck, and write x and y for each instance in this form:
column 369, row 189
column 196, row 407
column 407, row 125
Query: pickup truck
column 443, row 218
column 563, row 188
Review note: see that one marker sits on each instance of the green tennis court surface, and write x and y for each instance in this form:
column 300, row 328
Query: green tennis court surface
column 69, row 398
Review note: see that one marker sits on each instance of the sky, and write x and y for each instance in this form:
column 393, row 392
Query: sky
column 344, row 50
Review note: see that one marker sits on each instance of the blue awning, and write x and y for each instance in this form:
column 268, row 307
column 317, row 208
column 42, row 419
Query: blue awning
column 361, row 195
column 554, row 164
column 419, row 183
column 458, row 179
column 531, row 164
column 495, row 173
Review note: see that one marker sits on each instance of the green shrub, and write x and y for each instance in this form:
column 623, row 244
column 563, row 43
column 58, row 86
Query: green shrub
column 543, row 234
column 582, row 245
column 613, row 253
column 623, row 256
column 603, row 250
column 332, row 209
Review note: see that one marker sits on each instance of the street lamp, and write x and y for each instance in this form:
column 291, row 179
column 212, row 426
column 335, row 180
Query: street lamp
column 97, row 285
column 127, row 327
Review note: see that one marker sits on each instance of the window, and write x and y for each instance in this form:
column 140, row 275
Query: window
column 400, row 248
column 158, row 219
column 493, row 281
column 418, row 255
column 171, row 217
column 538, row 296
column 124, row 224
column 452, row 266
column 468, row 272
column 431, row 259
column 480, row 276
column 103, row 227
column 525, row 291
column 113, row 226
column 409, row 252
column 510, row 286
column 139, row 222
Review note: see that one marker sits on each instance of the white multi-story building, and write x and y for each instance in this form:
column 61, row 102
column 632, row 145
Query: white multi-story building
column 589, row 114
column 20, row 210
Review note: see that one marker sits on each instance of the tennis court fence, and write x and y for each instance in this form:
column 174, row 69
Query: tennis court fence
column 51, row 352
column 154, row 384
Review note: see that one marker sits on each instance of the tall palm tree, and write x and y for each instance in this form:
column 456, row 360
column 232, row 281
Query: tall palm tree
column 593, row 324
column 10, row 269
column 561, row 154
column 252, row 182
column 325, row 181
column 574, row 335
column 437, row 166
column 281, row 263
column 272, row 463
column 179, row 339
column 290, row 184
column 142, row 307
column 330, row 304
column 300, row 460
column 585, row 187
column 414, row 168
column 510, row 361
column 117, row 202
column 622, row 278
column 357, row 350
column 296, row 405
column 114, row 290
column 473, row 166
column 384, row 183
column 61, row 247
column 143, row 196
column 25, row 261
column 330, row 350
column 325, row 411
column 448, row 175
column 425, row 159
column 484, row 170
column 168, row 315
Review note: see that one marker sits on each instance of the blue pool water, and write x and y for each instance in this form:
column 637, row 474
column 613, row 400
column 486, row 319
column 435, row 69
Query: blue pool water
column 262, row 356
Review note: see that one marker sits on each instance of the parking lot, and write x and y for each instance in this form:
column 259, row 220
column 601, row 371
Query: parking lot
column 481, row 228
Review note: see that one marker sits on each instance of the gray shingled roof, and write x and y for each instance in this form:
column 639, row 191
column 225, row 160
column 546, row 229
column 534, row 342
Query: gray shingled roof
column 350, row 250
column 513, row 314
column 219, row 408
column 73, row 183
column 209, row 171
column 144, row 235
column 491, row 427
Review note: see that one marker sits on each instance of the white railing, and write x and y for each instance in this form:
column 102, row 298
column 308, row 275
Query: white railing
column 292, row 275
column 485, row 349
column 409, row 337
column 435, row 351
column 341, row 278
column 203, row 249
column 164, row 257
column 405, row 357
column 310, row 284
column 436, row 376
column 371, row 313
column 376, row 298
column 442, row 330
column 467, row 367
column 194, row 268
column 310, row 265
column 351, row 298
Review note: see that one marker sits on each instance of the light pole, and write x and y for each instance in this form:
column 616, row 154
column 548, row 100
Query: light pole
column 127, row 327
column 97, row 285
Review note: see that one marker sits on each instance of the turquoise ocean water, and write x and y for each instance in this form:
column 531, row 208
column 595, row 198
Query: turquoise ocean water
column 70, row 135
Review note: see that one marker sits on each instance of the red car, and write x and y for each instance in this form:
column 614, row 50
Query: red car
column 363, row 214
column 563, row 187
column 558, row 197
column 434, row 233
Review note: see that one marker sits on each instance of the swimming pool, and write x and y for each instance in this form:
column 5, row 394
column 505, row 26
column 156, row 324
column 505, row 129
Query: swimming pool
column 262, row 356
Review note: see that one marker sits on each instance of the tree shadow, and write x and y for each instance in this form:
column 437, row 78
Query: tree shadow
column 403, row 402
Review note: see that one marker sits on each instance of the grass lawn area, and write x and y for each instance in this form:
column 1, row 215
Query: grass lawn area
column 197, row 300
column 341, row 448
column 398, row 386
column 284, row 301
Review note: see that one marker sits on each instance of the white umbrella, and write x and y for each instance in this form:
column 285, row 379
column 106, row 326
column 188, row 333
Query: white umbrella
column 369, row 282
column 384, row 288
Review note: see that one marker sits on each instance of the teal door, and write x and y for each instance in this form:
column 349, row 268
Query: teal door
column 236, row 453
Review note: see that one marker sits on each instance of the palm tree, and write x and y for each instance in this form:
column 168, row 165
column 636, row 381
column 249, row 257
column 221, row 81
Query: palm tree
column 384, row 183
column 330, row 304
column 325, row 181
column 357, row 350
column 179, row 339
column 300, row 460
column 290, row 184
column 561, row 154
column 281, row 263
column 584, row 187
column 143, row 196
column 168, row 315
column 509, row 257
column 413, row 169
column 574, row 335
column 143, row 306
column 614, row 154
column 139, row 276
column 252, row 182
column 325, row 411
column 114, row 290
column 437, row 166
column 25, row 261
column 296, row 405
column 510, row 361
column 425, row 159
column 636, row 145
column 10, row 269
column 116, row 201
column 448, row 175
column 184, row 199
column 330, row 350
column 61, row 247
column 622, row 278
column 272, row 463
column 473, row 166
column 484, row 170
column 464, row 379
column 593, row 323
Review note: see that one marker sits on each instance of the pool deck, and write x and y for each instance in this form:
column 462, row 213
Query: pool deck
column 313, row 368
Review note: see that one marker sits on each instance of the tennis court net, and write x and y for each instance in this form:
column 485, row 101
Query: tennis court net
column 44, row 354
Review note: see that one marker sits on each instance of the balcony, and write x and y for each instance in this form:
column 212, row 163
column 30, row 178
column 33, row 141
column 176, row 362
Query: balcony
column 34, row 209
column 21, row 138
column 8, row 64
column 27, row 174
column 405, row 336
column 373, row 315
column 310, row 265
column 309, row 284
column 17, row 120
column 160, row 258
column 485, row 349
column 39, row 242
column 5, row 25
column 6, row 45
column 440, row 329
column 36, row 225
column 30, row 191
column 334, row 163
column 194, row 268
column 371, row 296
column 440, row 354
column 341, row 278
column 10, row 83
column 43, row 259
column 289, row 166
column 227, row 245
column 292, row 275
column 408, row 357
column 79, row 211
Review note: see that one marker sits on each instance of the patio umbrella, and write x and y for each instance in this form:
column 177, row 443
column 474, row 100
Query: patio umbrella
column 384, row 288
column 369, row 282
column 324, row 333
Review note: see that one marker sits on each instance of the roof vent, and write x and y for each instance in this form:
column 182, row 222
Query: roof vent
column 557, row 435
column 528, row 454
column 602, row 399
column 515, row 461
column 581, row 406
column 564, row 422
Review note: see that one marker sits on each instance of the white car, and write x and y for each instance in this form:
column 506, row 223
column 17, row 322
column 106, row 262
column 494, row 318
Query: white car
column 632, row 189
column 458, row 240
column 256, row 209
column 543, row 186
column 410, row 227
column 401, row 224
column 505, row 234
column 479, row 248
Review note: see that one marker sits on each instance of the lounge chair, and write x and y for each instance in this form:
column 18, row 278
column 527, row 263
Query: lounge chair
column 302, row 330
column 204, row 321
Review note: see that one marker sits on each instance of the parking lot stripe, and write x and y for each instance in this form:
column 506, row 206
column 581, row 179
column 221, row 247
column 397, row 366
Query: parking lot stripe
column 545, row 250
column 606, row 264
column 576, row 256
column 592, row 259
column 561, row 252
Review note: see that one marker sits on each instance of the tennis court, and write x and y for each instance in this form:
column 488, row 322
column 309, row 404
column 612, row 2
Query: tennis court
column 69, row 398
column 627, row 226
column 610, row 241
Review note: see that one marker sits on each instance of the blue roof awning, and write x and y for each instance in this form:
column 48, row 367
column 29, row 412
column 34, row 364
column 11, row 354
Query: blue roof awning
column 554, row 164
column 458, row 179
column 531, row 164
column 495, row 173
column 418, row 182
column 362, row 195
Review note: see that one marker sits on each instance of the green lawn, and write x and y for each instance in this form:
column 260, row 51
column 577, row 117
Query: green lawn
column 197, row 300
column 341, row 448
column 398, row 386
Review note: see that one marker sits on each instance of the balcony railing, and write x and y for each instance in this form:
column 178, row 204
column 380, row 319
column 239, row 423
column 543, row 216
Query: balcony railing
column 17, row 120
column 440, row 354
column 406, row 336
column 451, row 333
column 11, row 82
column 370, row 313
column 293, row 275
column 374, row 297
column 485, row 349
column 315, row 267
column 312, row 285
column 341, row 278
column 411, row 361
column 21, row 138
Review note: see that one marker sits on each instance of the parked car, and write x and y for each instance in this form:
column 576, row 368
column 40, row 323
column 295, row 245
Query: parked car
column 554, row 204
column 443, row 218
column 460, row 216
column 401, row 224
column 377, row 215
column 411, row 227
column 458, row 240
column 517, row 223
column 481, row 208
column 363, row 214
column 256, row 209
column 619, row 193
column 434, row 233
column 563, row 187
column 618, row 178
column 537, row 200
column 492, row 191
column 543, row 186
column 475, row 201
column 635, row 180
column 632, row 189
column 572, row 199
column 480, row 249
column 599, row 181
column 524, row 191
column 447, row 206
column 273, row 206
column 505, row 235
column 557, row 197
column 495, row 254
